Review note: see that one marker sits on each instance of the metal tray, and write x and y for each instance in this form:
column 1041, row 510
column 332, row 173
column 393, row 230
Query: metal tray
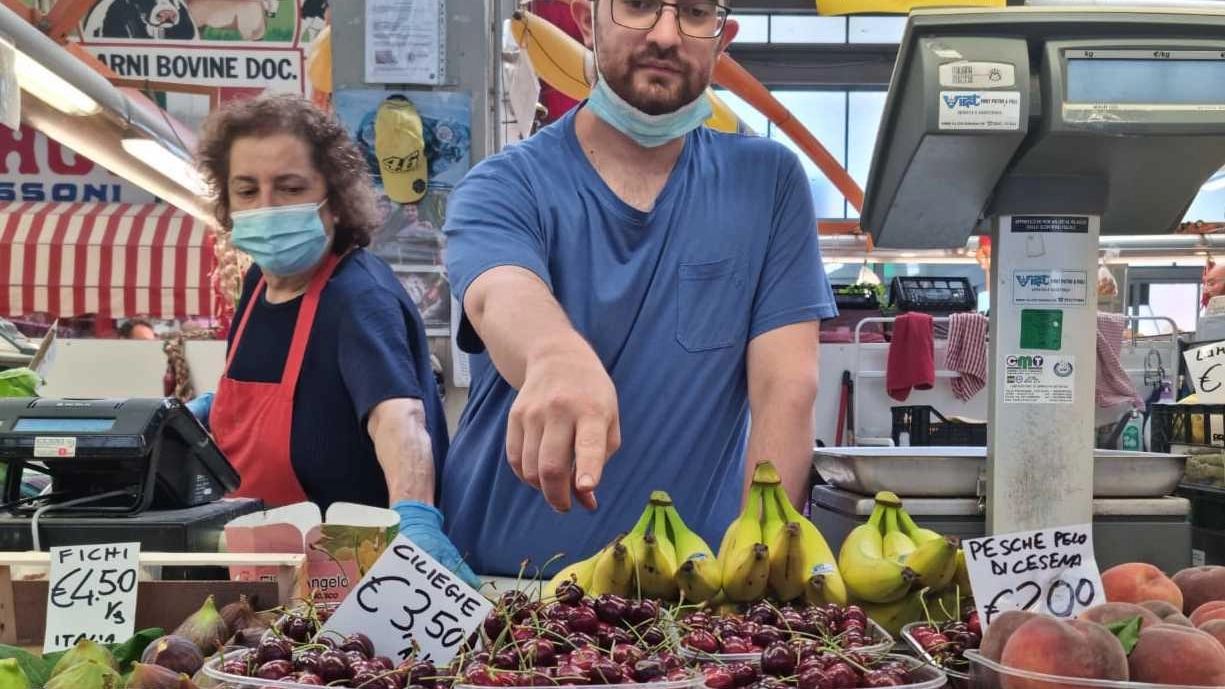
column 953, row 472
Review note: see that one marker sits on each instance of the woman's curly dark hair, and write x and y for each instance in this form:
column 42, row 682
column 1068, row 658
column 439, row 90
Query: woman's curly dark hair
column 336, row 156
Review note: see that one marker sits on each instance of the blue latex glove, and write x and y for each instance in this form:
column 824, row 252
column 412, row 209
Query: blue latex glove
column 201, row 406
column 422, row 524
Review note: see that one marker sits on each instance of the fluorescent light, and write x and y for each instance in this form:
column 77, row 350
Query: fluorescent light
column 52, row 89
column 160, row 158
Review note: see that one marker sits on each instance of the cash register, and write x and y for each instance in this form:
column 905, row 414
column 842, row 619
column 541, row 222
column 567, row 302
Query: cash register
column 114, row 470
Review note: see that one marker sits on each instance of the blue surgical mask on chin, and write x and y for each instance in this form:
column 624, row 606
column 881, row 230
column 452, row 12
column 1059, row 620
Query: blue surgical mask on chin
column 282, row 240
column 650, row 131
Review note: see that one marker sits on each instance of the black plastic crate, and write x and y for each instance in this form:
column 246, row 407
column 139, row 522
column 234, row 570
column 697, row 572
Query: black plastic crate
column 1187, row 424
column 925, row 426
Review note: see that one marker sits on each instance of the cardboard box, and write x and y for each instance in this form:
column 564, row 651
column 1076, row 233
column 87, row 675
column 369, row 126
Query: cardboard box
column 339, row 549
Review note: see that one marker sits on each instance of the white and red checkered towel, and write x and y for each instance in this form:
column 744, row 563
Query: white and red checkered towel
column 967, row 353
column 1113, row 385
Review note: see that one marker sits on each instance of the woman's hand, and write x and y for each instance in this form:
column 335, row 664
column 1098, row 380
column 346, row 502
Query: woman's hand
column 201, row 406
column 422, row 524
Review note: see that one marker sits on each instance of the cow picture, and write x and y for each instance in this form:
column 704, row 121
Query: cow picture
column 248, row 17
column 314, row 18
column 141, row 20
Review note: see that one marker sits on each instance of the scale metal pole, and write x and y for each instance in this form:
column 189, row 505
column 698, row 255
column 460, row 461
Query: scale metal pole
column 1043, row 354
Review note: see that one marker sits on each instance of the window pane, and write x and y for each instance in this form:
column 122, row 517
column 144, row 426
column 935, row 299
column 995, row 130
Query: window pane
column 876, row 29
column 747, row 113
column 754, row 28
column 863, row 121
column 1209, row 205
column 800, row 28
column 824, row 114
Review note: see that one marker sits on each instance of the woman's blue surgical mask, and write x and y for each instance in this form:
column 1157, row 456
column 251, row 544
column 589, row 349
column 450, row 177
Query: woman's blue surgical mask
column 650, row 131
column 282, row 240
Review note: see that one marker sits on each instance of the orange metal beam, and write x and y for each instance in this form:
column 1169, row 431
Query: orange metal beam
column 64, row 18
column 21, row 9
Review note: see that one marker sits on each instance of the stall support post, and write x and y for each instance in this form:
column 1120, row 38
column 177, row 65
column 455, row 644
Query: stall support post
column 1043, row 362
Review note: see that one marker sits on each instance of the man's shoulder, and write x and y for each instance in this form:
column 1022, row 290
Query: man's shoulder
column 543, row 151
column 739, row 148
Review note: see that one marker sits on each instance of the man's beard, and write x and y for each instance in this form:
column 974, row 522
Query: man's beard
column 655, row 101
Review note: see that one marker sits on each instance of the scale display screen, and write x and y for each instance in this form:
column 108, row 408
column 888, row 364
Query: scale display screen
column 63, row 425
column 1146, row 82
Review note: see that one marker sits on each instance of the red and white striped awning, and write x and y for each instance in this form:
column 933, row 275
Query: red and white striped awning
column 116, row 260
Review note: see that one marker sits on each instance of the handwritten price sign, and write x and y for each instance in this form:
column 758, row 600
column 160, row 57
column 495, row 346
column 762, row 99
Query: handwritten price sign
column 1206, row 370
column 410, row 602
column 92, row 594
column 1052, row 571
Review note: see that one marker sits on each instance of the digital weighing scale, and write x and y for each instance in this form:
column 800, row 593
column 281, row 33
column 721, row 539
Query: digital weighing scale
column 118, row 469
column 1045, row 127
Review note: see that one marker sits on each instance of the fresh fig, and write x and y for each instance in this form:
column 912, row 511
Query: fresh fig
column 86, row 674
column 12, row 676
column 85, row 650
column 174, row 653
column 146, row 676
column 249, row 637
column 205, row 628
column 240, row 615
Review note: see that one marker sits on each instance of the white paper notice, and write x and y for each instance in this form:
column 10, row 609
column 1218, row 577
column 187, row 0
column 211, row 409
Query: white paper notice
column 1052, row 571
column 1206, row 372
column 409, row 599
column 980, row 110
column 92, row 594
column 406, row 41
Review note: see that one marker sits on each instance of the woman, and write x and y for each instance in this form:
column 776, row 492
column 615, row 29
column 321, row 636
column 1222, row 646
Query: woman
column 327, row 393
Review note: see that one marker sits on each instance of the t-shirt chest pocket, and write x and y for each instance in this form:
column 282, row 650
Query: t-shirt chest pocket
column 712, row 307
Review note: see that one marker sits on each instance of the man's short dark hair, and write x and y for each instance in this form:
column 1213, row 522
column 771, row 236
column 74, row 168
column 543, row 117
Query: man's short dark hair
column 125, row 330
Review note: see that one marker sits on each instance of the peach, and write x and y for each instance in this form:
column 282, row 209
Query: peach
column 1108, row 613
column 1216, row 628
column 1002, row 627
column 1072, row 648
column 1200, row 585
column 1168, row 613
column 1136, row 582
column 1212, row 610
column 1170, row 654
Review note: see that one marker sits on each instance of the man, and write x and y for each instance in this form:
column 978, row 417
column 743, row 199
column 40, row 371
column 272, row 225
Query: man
column 137, row 329
column 642, row 282
column 1214, row 282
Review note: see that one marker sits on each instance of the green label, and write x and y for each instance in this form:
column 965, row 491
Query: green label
column 1042, row 329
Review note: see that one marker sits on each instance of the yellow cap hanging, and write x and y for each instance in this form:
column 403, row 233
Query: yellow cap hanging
column 399, row 145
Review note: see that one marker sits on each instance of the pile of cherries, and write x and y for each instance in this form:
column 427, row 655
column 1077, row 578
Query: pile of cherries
column 349, row 662
column 947, row 642
column 572, row 640
column 804, row 665
column 764, row 625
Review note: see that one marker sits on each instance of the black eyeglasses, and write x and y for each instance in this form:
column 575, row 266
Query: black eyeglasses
column 695, row 18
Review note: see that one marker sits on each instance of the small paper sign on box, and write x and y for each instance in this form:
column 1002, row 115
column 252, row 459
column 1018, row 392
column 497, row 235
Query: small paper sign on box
column 1052, row 571
column 1206, row 371
column 339, row 551
column 92, row 594
column 409, row 603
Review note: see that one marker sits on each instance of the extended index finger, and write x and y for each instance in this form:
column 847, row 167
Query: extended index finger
column 590, row 453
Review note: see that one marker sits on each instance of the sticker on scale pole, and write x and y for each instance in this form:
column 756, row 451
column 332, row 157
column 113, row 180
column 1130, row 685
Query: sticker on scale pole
column 1051, row 224
column 978, row 75
column 1050, row 288
column 980, row 110
column 1039, row 379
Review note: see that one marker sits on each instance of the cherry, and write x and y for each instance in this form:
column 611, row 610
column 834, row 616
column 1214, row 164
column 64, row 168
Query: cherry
column 648, row 670
column 881, row 678
column 744, row 674
column 606, row 672
column 234, row 667
column 309, row 678
column 623, row 653
column 583, row 620
column 670, row 661
column 333, row 666
column 779, row 660
column 557, row 611
column 718, row 677
column 505, row 659
column 842, row 676
column 698, row 619
column 763, row 614
column 642, row 611
column 274, row 669
column 701, row 640
column 973, row 624
column 570, row 593
column 653, row 636
column 494, row 625
column 735, row 644
column 813, row 678
column 767, row 635
column 479, row 675
column 569, row 675
column 358, row 642
column 539, row 652
column 579, row 640
column 271, row 649
column 611, row 609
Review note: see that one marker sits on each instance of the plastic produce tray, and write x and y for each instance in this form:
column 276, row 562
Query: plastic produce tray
column 957, row 679
column 985, row 674
column 952, row 472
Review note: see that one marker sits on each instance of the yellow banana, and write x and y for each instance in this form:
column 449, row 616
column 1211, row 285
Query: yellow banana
column 614, row 571
column 914, row 531
column 766, row 474
column 869, row 575
column 657, row 569
column 897, row 545
column 698, row 576
column 634, row 542
column 935, row 563
column 821, row 559
column 578, row 572
column 746, row 572
column 746, row 529
column 817, row 591
column 771, row 519
column 789, row 562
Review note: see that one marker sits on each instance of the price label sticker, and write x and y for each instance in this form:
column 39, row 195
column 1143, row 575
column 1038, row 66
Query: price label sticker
column 409, row 603
column 1052, row 572
column 92, row 594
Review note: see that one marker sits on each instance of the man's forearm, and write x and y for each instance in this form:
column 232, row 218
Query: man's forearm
column 782, row 432
column 518, row 318
column 404, row 450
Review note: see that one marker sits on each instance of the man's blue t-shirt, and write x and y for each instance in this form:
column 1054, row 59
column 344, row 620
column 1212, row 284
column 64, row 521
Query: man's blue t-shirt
column 368, row 345
column 669, row 299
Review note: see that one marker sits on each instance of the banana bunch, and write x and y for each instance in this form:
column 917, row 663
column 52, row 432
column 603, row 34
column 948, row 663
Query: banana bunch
column 773, row 549
column 659, row 558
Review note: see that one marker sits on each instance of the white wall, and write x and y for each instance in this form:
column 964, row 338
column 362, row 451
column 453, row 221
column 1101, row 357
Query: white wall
column 125, row 368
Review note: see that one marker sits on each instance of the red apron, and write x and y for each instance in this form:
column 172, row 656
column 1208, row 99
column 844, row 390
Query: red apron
column 252, row 422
